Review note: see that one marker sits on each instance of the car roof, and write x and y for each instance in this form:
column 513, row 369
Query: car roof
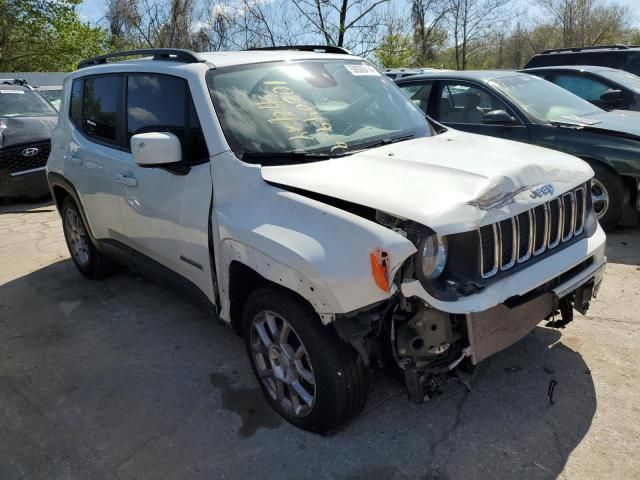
column 579, row 68
column 584, row 50
column 216, row 60
column 474, row 75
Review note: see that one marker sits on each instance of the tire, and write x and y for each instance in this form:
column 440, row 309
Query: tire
column 338, row 390
column 86, row 257
column 609, row 194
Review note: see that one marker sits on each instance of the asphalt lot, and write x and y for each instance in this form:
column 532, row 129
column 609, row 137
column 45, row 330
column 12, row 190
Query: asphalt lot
column 121, row 379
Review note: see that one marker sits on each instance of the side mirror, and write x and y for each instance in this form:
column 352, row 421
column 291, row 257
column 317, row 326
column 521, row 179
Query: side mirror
column 612, row 97
column 156, row 148
column 498, row 117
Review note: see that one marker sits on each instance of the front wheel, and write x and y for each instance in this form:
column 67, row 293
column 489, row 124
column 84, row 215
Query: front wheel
column 608, row 194
column 307, row 374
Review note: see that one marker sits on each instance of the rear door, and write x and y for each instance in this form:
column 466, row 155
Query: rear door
column 166, row 210
column 96, row 153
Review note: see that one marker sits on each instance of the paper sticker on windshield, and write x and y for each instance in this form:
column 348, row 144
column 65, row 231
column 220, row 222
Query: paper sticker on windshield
column 19, row 92
column 581, row 120
column 359, row 70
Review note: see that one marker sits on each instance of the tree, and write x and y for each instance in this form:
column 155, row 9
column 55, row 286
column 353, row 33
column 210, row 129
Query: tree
column 45, row 35
column 352, row 24
column 586, row 22
column 395, row 51
column 149, row 23
column 428, row 36
column 471, row 22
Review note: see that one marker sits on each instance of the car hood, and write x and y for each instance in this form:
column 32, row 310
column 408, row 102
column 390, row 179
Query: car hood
column 616, row 121
column 16, row 131
column 452, row 182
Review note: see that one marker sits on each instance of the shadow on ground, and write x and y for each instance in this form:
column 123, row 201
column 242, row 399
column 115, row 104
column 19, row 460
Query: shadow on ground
column 623, row 245
column 121, row 379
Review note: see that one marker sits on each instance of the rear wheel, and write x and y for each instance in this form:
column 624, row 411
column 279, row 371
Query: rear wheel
column 308, row 375
column 608, row 194
column 84, row 254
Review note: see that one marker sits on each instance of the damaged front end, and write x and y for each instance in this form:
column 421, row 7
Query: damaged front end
column 466, row 296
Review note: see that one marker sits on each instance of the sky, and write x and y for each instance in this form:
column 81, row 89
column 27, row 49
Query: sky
column 93, row 10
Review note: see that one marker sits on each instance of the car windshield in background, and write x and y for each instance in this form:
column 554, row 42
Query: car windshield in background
column 627, row 79
column 543, row 100
column 54, row 97
column 314, row 107
column 24, row 103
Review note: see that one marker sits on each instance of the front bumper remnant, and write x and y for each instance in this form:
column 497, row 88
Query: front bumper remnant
column 499, row 327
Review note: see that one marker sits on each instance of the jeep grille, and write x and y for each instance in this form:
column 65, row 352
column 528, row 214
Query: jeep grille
column 516, row 240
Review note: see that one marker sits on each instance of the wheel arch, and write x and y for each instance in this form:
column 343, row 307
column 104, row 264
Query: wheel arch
column 60, row 189
column 243, row 281
column 629, row 182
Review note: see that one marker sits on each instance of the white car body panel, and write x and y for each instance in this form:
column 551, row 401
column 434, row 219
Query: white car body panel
column 444, row 182
column 166, row 217
column 314, row 249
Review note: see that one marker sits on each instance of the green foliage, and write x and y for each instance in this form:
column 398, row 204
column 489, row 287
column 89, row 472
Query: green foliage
column 45, row 35
column 395, row 51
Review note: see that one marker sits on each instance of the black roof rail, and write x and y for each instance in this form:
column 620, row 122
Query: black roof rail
column 595, row 47
column 14, row 81
column 173, row 54
column 308, row 48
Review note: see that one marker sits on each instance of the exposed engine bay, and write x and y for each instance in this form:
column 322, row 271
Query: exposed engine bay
column 425, row 346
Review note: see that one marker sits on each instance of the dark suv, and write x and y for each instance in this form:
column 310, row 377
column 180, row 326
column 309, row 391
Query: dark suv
column 26, row 122
column 622, row 57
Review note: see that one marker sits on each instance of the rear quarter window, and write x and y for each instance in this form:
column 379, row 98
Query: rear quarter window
column 75, row 107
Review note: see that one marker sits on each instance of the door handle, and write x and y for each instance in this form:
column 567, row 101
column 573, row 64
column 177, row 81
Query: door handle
column 75, row 159
column 128, row 181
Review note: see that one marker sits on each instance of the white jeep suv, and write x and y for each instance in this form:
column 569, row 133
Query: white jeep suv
column 322, row 216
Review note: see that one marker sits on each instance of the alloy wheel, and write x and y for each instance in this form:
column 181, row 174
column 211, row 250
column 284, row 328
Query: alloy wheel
column 599, row 197
column 76, row 236
column 283, row 364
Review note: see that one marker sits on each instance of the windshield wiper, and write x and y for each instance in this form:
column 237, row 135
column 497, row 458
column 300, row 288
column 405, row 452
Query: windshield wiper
column 279, row 158
column 388, row 140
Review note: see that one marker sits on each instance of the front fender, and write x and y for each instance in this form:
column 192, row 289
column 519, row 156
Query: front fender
column 317, row 250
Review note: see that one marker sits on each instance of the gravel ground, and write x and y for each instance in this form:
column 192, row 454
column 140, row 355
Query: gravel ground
column 121, row 379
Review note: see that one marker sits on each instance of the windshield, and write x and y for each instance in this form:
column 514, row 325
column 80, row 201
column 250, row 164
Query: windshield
column 627, row 79
column 54, row 97
column 24, row 103
column 542, row 100
column 329, row 107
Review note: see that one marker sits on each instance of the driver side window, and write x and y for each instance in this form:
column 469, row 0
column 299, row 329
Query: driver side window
column 158, row 103
column 464, row 103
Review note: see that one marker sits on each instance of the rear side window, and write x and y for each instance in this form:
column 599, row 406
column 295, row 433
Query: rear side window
column 161, row 103
column 633, row 64
column 75, row 109
column 100, row 107
column 585, row 87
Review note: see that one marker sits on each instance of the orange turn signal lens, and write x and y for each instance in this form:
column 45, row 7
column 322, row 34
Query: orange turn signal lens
column 380, row 268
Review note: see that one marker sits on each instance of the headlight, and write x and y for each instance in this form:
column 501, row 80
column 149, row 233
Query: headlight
column 431, row 257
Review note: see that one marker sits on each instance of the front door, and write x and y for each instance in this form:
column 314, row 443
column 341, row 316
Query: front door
column 166, row 210
column 472, row 108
